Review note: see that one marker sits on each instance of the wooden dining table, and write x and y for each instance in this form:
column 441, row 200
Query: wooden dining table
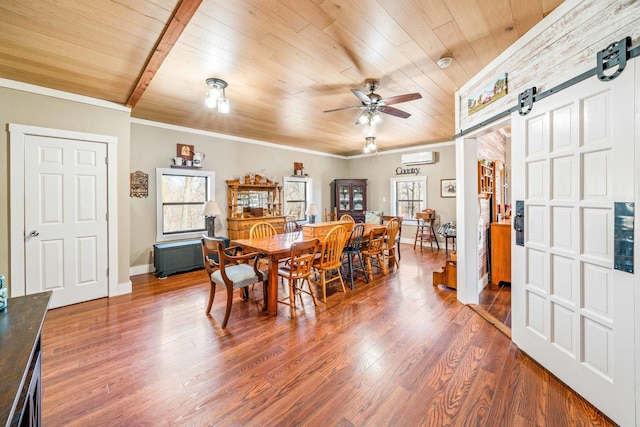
column 275, row 248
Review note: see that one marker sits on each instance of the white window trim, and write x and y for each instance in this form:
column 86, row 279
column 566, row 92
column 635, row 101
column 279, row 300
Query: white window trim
column 393, row 199
column 160, row 236
column 309, row 183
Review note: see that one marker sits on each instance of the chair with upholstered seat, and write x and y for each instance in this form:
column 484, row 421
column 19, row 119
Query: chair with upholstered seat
column 297, row 269
column 372, row 251
column 330, row 259
column 230, row 271
column 389, row 245
column 352, row 250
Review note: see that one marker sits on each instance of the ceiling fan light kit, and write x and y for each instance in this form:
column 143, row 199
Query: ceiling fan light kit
column 370, row 145
column 373, row 104
column 215, row 96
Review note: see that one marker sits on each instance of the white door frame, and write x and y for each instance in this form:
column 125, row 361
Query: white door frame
column 17, row 196
column 467, row 212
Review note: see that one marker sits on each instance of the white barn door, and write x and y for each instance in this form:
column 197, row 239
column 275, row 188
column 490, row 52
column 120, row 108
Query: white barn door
column 65, row 219
column 573, row 157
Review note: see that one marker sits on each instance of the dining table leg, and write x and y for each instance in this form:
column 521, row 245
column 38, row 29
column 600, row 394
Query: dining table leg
column 272, row 290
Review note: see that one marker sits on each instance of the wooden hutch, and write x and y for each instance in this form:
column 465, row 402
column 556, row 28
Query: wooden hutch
column 251, row 199
column 349, row 196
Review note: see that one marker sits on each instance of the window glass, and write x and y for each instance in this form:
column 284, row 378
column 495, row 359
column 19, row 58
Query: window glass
column 297, row 196
column 408, row 196
column 181, row 194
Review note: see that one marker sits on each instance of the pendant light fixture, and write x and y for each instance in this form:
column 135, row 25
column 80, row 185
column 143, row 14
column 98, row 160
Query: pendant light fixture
column 370, row 144
column 215, row 97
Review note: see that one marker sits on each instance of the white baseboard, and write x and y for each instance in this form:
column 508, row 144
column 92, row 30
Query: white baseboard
column 141, row 269
column 123, row 288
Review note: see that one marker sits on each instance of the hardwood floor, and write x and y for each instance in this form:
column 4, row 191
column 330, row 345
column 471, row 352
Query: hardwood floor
column 396, row 351
column 496, row 300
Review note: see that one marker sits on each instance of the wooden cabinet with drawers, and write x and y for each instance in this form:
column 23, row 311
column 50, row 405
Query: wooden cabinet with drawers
column 501, row 251
column 251, row 199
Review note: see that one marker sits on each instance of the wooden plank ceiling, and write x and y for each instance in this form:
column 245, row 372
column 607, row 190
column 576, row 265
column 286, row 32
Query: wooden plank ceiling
column 286, row 61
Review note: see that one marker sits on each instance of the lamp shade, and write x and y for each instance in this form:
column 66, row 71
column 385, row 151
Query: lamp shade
column 311, row 209
column 211, row 208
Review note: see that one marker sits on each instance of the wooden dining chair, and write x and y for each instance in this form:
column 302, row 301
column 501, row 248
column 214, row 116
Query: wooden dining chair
column 230, row 271
column 372, row 252
column 330, row 259
column 330, row 216
column 291, row 227
column 424, row 229
column 297, row 269
column 352, row 251
column 347, row 217
column 262, row 229
column 384, row 219
column 389, row 246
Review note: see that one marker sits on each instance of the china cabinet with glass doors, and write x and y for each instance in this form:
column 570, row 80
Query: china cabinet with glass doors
column 349, row 196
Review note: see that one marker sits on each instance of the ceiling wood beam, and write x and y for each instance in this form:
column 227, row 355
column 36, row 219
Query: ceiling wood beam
column 181, row 17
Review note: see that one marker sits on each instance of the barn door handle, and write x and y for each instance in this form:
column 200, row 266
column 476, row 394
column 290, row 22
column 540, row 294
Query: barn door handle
column 34, row 233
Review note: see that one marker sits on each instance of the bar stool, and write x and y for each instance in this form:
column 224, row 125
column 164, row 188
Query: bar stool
column 424, row 229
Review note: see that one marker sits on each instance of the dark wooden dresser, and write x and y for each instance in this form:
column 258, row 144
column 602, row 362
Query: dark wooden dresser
column 20, row 359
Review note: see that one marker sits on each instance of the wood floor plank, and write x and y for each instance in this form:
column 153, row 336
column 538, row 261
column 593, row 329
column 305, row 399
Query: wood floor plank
column 397, row 351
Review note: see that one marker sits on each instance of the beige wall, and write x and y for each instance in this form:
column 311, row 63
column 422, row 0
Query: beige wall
column 32, row 109
column 153, row 146
column 379, row 169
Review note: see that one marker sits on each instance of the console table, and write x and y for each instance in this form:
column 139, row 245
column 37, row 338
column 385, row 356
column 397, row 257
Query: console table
column 21, row 358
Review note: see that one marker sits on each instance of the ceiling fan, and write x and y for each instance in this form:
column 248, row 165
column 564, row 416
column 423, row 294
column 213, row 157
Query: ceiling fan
column 373, row 103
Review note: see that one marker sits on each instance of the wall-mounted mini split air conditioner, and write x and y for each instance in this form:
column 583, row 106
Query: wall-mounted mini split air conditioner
column 425, row 157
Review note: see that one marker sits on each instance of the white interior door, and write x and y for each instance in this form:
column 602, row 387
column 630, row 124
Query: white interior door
column 65, row 219
column 573, row 157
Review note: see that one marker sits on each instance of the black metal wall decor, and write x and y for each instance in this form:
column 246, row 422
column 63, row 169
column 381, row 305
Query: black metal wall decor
column 615, row 55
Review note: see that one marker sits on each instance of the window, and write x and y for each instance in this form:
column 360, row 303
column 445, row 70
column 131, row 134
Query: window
column 180, row 196
column 297, row 196
column 408, row 196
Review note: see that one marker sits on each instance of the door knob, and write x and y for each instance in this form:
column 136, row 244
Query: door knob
column 34, row 233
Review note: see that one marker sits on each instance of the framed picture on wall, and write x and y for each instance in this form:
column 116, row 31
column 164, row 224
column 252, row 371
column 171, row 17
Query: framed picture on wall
column 185, row 151
column 447, row 188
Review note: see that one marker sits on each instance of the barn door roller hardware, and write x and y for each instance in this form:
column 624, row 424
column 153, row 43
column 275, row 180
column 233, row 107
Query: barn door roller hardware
column 615, row 55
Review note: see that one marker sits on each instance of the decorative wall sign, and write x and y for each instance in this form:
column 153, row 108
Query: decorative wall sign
column 139, row 184
column 185, row 151
column 447, row 188
column 492, row 91
column 407, row 171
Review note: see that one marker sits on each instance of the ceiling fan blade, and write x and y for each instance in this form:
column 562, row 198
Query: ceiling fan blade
column 401, row 98
column 343, row 108
column 394, row 111
column 361, row 96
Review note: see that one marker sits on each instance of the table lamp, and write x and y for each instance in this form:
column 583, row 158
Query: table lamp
column 311, row 211
column 210, row 210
